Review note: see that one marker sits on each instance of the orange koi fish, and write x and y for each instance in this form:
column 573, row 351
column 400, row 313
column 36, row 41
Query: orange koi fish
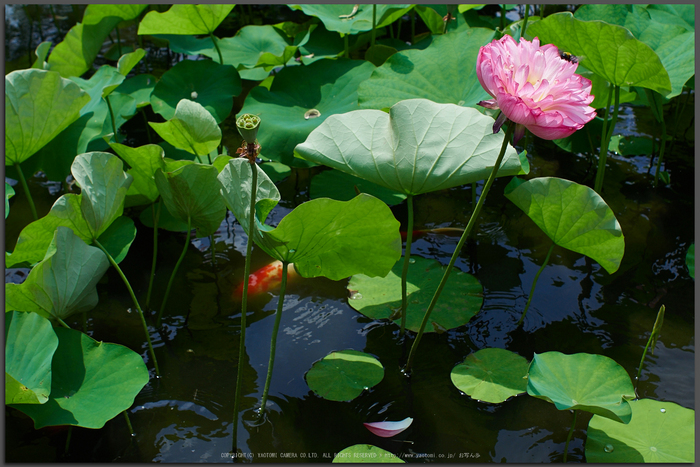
column 265, row 279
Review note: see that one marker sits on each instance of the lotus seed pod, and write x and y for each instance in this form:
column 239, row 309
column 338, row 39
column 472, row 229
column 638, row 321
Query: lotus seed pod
column 248, row 127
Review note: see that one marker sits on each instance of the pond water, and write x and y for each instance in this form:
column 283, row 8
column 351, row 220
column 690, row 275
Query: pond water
column 186, row 415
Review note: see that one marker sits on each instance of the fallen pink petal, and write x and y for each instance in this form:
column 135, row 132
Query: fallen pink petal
column 389, row 429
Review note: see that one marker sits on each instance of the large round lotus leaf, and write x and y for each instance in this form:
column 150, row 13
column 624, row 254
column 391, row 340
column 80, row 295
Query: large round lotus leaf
column 658, row 432
column 322, row 237
column 39, row 105
column 443, row 72
column 366, row 453
column 681, row 15
column 29, row 347
column 491, row 375
column 607, row 50
column 191, row 128
column 342, row 376
column 418, row 147
column 300, row 99
column 192, row 191
column 338, row 185
column 582, row 381
column 92, row 382
column 140, row 87
column 64, row 282
column 690, row 260
column 574, row 216
column 674, row 44
column 346, row 19
column 380, row 297
column 185, row 19
column 202, row 81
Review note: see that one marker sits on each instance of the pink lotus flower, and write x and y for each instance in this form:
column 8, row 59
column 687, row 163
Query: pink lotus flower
column 534, row 87
column 388, row 429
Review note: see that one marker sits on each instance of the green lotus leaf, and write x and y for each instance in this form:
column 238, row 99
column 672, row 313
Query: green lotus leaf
column 124, row 107
column 674, row 45
column 124, row 12
column 144, row 162
column 658, row 432
column 191, row 128
column 185, row 19
column 275, row 171
column 491, row 375
column 140, row 87
column 419, row 147
column 128, row 61
column 431, row 18
column 607, row 50
column 118, row 237
column 192, row 191
column 335, row 16
column 322, row 44
column 202, row 81
column 378, row 54
column 594, row 383
column 104, row 186
column 366, row 453
column 41, row 53
column 29, row 347
column 443, row 72
column 601, row 89
column 343, row 375
column 64, row 282
column 380, row 297
column 166, row 221
column 322, row 237
column 690, row 260
column 338, row 185
column 9, row 193
column 681, row 15
column 75, row 54
column 573, row 216
column 104, row 81
column 92, row 382
column 300, row 99
column 39, row 105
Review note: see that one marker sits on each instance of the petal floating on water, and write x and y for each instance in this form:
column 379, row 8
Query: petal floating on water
column 389, row 429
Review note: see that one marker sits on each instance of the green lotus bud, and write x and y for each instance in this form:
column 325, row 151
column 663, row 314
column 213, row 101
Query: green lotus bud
column 248, row 127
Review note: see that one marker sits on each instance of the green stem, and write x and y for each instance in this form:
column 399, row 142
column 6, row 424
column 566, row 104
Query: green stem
column 503, row 18
column 216, row 46
column 406, row 261
column 273, row 341
column 25, row 187
column 55, row 21
column 661, row 151
column 534, row 283
column 473, row 194
column 111, row 115
column 542, row 11
column 119, row 42
column 398, row 28
column 128, row 423
column 62, row 323
column 604, row 146
column 133, row 298
column 177, row 265
column 156, row 217
column 527, row 14
column 346, row 41
column 68, row 437
column 213, row 249
column 465, row 234
column 374, row 23
column 145, row 120
column 244, row 302
column 568, row 438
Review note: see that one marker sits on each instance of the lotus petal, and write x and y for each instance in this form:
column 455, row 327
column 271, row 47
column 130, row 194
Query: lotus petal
column 389, row 429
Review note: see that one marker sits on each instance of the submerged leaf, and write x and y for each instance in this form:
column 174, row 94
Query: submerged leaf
column 343, row 375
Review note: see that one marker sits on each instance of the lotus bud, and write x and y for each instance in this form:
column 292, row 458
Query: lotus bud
column 248, row 127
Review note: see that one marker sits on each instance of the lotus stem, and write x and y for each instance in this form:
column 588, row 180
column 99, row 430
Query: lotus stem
column 213, row 249
column 128, row 423
column 661, row 151
column 527, row 14
column 568, row 438
column 473, row 193
column 273, row 341
column 542, row 11
column 111, row 115
column 406, row 261
column 503, row 19
column 119, row 41
column 244, row 298
column 347, row 45
column 216, row 46
column 604, row 146
column 398, row 28
column 534, row 283
column 133, row 298
column 62, row 323
column 145, row 119
column 177, row 265
column 455, row 254
column 25, row 187
column 68, row 437
column 374, row 24
column 651, row 342
column 156, row 217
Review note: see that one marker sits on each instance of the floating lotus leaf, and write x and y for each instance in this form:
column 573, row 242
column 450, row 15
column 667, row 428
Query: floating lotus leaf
column 366, row 453
column 690, row 260
column 300, row 99
column 64, row 282
column 191, row 128
column 380, row 297
column 92, row 382
column 39, row 105
column 338, row 185
column 202, row 81
column 343, row 375
column 419, row 147
column 594, row 383
column 185, row 19
column 346, row 19
column 29, row 347
column 491, row 375
column 607, row 50
column 443, row 72
column 192, row 191
column 658, row 432
column 573, row 216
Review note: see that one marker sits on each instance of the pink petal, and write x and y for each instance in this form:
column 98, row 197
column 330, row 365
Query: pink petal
column 389, row 429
